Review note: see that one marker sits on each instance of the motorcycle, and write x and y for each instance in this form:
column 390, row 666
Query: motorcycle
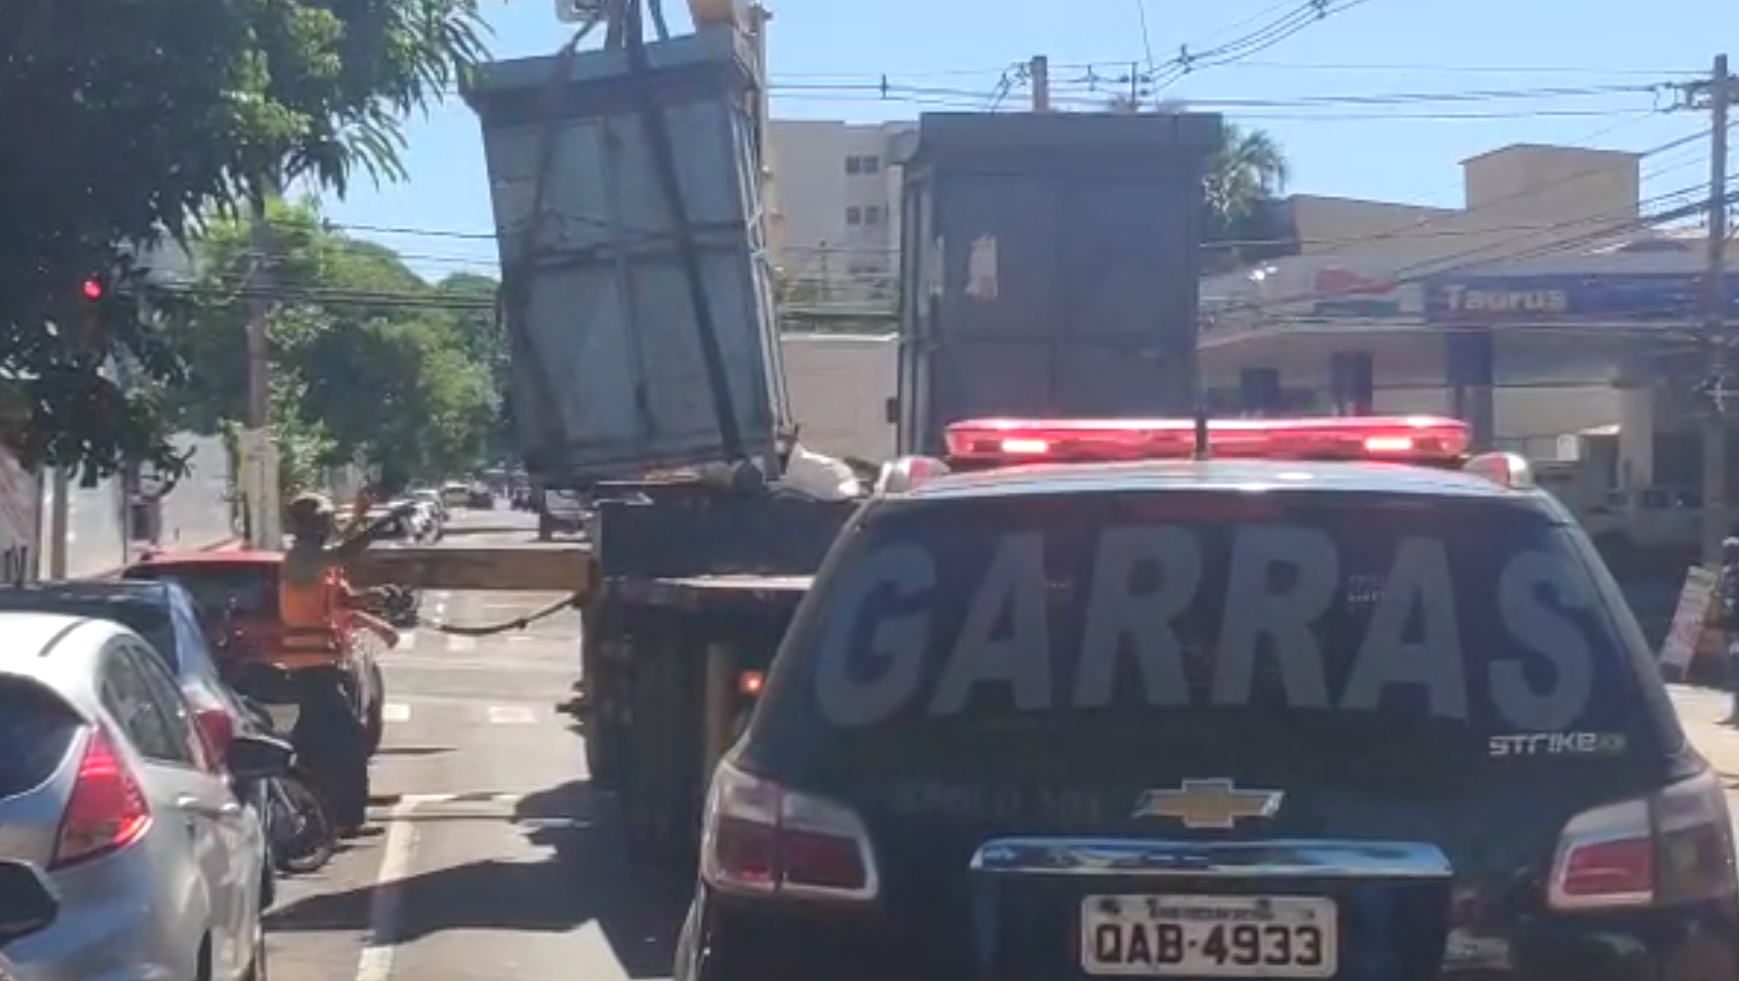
column 299, row 827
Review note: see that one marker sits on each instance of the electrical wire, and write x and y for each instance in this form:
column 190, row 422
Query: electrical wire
column 1605, row 229
column 1418, row 229
column 1470, row 69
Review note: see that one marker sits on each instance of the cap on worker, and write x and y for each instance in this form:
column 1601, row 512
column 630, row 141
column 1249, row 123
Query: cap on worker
column 310, row 505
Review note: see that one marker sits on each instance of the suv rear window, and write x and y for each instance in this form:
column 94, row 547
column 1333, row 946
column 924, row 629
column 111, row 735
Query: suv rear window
column 144, row 617
column 36, row 732
column 1384, row 634
column 214, row 585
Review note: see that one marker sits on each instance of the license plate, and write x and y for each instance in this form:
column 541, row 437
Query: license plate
column 1208, row 936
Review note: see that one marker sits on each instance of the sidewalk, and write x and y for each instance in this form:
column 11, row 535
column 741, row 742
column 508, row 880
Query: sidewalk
column 1701, row 711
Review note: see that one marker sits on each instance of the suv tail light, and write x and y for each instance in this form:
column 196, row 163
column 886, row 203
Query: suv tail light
column 107, row 810
column 1670, row 847
column 761, row 839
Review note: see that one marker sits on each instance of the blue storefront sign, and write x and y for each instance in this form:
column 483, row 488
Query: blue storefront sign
column 1562, row 297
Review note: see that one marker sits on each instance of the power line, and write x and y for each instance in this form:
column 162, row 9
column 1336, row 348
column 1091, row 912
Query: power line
column 1286, row 26
column 1146, row 35
column 1098, row 83
column 1466, row 69
column 1471, row 259
column 1414, row 230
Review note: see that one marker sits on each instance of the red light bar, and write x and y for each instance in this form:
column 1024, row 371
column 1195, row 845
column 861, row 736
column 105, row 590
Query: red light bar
column 1396, row 439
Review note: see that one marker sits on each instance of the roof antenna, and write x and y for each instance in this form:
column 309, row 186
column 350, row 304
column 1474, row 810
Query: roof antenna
column 1201, row 448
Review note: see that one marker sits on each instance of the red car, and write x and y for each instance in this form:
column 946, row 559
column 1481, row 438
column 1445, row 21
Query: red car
column 237, row 597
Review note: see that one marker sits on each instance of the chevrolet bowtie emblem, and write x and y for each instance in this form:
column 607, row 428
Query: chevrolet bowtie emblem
column 1209, row 804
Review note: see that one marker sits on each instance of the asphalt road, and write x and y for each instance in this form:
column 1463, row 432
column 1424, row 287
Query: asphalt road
column 497, row 860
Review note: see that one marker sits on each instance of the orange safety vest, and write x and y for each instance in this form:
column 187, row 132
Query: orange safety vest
column 309, row 614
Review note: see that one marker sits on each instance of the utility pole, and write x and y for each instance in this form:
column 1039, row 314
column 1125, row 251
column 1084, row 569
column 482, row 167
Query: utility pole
column 258, row 455
column 1716, row 523
column 1039, row 69
column 259, row 316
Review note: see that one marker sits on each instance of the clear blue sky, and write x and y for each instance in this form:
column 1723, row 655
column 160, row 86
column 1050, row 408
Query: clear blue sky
column 828, row 55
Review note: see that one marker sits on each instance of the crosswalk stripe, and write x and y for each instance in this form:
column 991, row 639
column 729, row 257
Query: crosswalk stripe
column 511, row 715
column 399, row 713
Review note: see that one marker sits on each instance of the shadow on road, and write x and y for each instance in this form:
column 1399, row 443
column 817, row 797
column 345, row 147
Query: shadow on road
column 585, row 878
column 414, row 750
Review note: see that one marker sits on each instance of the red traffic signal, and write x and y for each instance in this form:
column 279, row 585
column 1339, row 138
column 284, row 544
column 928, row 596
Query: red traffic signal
column 93, row 290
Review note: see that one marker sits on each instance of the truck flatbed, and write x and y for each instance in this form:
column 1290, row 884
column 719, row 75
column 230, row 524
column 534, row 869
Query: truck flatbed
column 699, row 593
column 555, row 567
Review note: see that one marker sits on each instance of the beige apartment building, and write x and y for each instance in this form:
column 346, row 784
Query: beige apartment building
column 837, row 198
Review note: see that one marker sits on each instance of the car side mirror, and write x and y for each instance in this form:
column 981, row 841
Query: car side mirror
column 30, row 905
column 254, row 756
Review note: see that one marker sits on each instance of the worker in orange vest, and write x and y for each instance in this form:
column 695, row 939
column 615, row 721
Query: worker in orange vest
column 314, row 602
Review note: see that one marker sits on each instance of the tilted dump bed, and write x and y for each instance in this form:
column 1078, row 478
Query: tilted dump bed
column 641, row 317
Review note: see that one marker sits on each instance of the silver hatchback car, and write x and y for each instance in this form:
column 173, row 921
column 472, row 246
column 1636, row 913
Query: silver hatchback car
column 108, row 784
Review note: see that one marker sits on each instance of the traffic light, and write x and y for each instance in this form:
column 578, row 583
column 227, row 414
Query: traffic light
column 93, row 290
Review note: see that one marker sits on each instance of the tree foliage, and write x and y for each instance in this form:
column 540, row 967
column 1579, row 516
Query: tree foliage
column 130, row 123
column 369, row 362
column 1246, row 175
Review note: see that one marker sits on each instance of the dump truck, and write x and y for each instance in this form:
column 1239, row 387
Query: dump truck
column 1049, row 266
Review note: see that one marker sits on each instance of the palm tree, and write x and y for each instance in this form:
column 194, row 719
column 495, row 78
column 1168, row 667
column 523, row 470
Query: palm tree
column 1246, row 175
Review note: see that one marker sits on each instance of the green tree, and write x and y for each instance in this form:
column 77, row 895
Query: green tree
column 131, row 123
column 1246, row 175
column 367, row 359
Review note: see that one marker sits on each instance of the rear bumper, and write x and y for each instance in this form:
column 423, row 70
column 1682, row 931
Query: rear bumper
column 726, row 939
column 137, row 915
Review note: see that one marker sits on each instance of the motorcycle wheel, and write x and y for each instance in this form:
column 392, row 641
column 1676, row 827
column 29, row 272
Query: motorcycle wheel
column 303, row 839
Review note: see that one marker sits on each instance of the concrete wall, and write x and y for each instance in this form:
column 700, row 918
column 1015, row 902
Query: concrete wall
column 195, row 514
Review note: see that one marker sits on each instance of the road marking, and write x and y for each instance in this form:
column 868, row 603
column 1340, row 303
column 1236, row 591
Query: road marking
column 395, row 712
column 407, row 640
column 461, row 645
column 512, row 715
column 386, row 904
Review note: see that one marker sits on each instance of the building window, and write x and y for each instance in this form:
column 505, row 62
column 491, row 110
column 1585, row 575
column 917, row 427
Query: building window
column 854, row 216
column 863, row 165
column 872, row 215
column 854, row 165
column 872, row 165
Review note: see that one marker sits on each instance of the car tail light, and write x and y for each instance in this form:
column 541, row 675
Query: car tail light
column 1671, row 847
column 107, row 810
column 1399, row 439
column 761, row 839
column 218, row 730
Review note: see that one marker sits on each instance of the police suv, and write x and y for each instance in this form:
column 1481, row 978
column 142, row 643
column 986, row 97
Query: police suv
column 1319, row 698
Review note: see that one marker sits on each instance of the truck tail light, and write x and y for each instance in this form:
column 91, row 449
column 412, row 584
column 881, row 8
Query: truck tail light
column 1670, row 847
column 762, row 839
